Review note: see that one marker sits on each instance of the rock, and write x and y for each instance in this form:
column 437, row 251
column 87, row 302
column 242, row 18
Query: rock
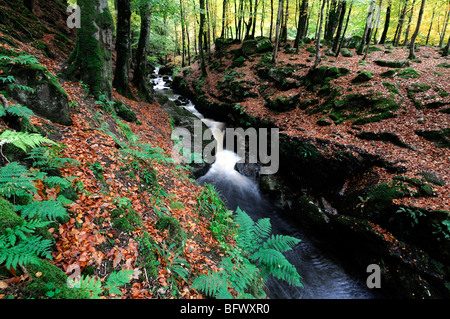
column 48, row 100
column 264, row 45
column 124, row 112
column 249, row 47
column 352, row 42
column 393, row 64
column 346, row 53
column 238, row 62
column 363, row 76
column 282, row 103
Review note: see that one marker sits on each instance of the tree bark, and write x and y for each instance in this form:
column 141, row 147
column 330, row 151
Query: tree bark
column 301, row 23
column 277, row 31
column 140, row 72
column 319, row 34
column 123, row 48
column 339, row 28
column 400, row 24
column 431, row 25
column 91, row 59
column 200, row 38
column 345, row 30
column 416, row 33
column 386, row 23
column 405, row 41
column 447, row 48
column 366, row 29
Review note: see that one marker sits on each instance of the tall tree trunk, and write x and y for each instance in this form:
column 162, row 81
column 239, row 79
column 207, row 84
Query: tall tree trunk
column 200, row 38
column 446, row 18
column 366, row 29
column 91, row 59
column 301, row 23
column 345, row 30
column 283, row 37
column 224, row 10
column 445, row 51
column 339, row 29
column 277, row 31
column 386, row 23
column 271, row 20
column 400, row 24
column 319, row 34
column 123, row 48
column 405, row 41
column 254, row 19
column 431, row 25
column 416, row 33
column 140, row 71
column 377, row 22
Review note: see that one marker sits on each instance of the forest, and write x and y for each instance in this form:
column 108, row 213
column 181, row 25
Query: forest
column 98, row 200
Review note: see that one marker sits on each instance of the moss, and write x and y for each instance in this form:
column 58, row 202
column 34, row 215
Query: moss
column 391, row 87
column 383, row 136
column 374, row 118
column 8, row 218
column 147, row 257
column 346, row 53
column 443, row 65
column 393, row 64
column 126, row 221
column 124, row 112
column 388, row 73
column 176, row 234
column 439, row 137
column 409, row 73
column 363, row 76
column 50, row 274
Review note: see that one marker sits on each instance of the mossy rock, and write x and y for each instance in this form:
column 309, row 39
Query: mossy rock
column 321, row 76
column 8, row 218
column 264, row 45
column 409, row 73
column 238, row 62
column 48, row 99
column 346, row 53
column 124, row 112
column 363, row 76
column 311, row 49
column 126, row 221
column 374, row 118
column 393, row 64
column 383, row 136
column 282, row 103
column 443, row 65
column 249, row 47
column 418, row 87
column 432, row 178
column 391, row 87
column 50, row 274
column 440, row 137
column 176, row 233
column 388, row 73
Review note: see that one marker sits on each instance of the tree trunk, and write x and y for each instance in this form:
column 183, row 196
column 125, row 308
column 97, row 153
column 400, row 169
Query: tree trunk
column 431, row 25
column 224, row 10
column 386, row 24
column 283, row 37
column 366, row 29
column 400, row 24
column 405, row 41
column 446, row 18
column 447, row 48
column 416, row 33
column 200, row 38
column 339, row 29
column 91, row 59
column 277, row 31
column 319, row 34
column 140, row 72
column 123, row 48
column 345, row 30
column 301, row 23
column 377, row 22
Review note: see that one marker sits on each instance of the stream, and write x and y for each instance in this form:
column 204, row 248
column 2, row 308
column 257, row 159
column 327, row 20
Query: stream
column 323, row 274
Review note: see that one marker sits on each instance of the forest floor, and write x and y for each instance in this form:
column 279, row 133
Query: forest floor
column 91, row 239
column 420, row 155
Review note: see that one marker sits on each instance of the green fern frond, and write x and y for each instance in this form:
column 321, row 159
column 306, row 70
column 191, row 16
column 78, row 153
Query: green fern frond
column 16, row 180
column 23, row 140
column 117, row 279
column 52, row 181
column 281, row 243
column 20, row 111
column 45, row 210
column 212, row 284
column 262, row 229
column 92, row 286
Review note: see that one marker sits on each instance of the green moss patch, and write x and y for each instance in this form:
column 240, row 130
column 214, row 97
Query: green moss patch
column 409, row 73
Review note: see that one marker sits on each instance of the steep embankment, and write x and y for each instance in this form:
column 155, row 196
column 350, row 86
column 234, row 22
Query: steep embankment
column 123, row 203
column 368, row 139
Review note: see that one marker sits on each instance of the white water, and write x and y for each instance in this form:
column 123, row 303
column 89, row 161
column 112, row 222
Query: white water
column 323, row 275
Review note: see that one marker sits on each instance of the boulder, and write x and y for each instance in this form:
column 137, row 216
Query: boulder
column 48, row 99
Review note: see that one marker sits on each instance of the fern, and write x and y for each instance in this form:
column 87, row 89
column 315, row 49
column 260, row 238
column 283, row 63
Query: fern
column 117, row 279
column 52, row 181
column 16, row 248
column 16, row 180
column 23, row 140
column 22, row 87
column 94, row 287
column 45, row 210
column 256, row 257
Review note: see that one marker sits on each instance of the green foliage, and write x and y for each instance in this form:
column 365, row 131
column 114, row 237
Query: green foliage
column 16, row 180
column 257, row 256
column 23, row 140
column 48, row 158
column 172, row 261
column 413, row 215
column 45, row 210
column 19, row 249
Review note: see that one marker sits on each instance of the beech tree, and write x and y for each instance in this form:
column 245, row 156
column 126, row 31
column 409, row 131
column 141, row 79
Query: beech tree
column 91, row 59
column 416, row 33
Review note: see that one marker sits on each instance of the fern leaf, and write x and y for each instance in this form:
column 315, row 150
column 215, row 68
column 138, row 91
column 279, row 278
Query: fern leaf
column 16, row 180
column 117, row 279
column 212, row 284
column 281, row 243
column 27, row 251
column 45, row 210
column 263, row 228
column 52, row 181
column 23, row 140
column 92, row 286
column 246, row 235
column 20, row 110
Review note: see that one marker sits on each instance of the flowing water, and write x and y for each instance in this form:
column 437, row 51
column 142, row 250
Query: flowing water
column 323, row 275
